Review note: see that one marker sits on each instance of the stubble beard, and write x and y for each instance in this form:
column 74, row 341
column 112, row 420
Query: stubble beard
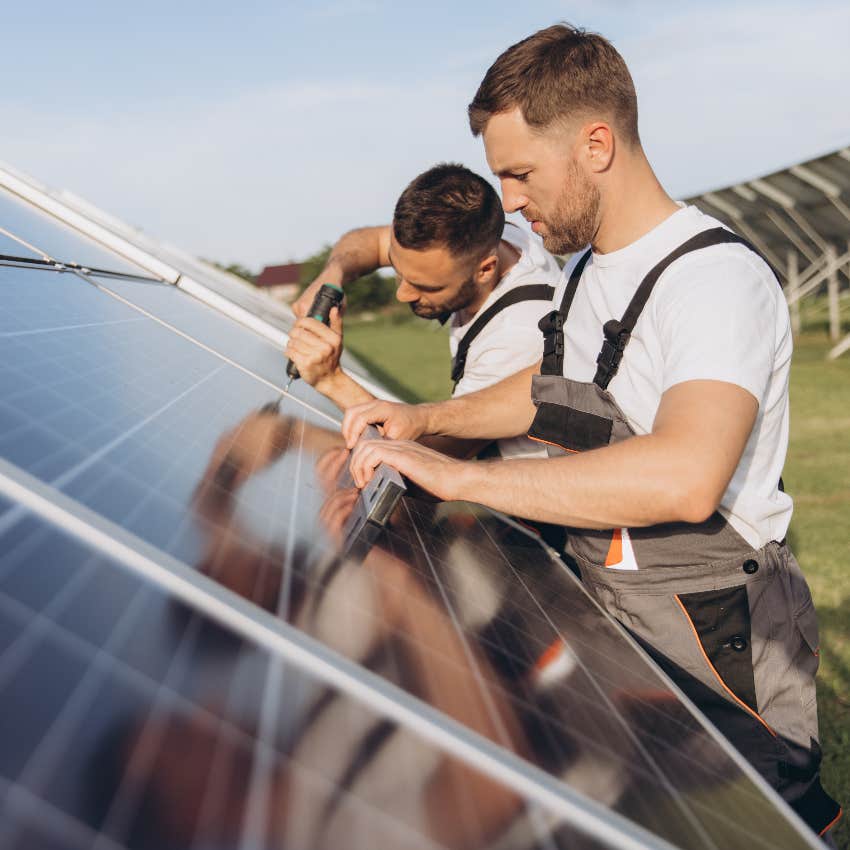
column 465, row 295
column 573, row 223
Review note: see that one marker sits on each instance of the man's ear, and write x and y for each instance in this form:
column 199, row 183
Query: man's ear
column 487, row 268
column 597, row 142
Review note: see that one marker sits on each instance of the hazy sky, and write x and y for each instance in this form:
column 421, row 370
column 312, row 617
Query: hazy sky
column 254, row 132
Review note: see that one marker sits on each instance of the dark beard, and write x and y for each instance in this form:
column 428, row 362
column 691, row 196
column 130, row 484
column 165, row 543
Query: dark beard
column 442, row 316
column 463, row 298
column 574, row 222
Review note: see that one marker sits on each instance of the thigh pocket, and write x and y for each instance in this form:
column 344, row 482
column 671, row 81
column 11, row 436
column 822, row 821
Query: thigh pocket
column 720, row 620
column 807, row 623
column 808, row 657
column 802, row 636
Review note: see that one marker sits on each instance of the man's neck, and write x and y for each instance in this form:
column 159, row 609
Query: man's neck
column 632, row 205
column 508, row 256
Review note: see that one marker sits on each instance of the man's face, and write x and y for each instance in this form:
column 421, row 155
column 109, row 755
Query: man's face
column 432, row 281
column 542, row 179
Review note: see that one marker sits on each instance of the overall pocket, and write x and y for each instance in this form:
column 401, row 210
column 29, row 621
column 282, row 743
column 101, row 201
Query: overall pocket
column 720, row 620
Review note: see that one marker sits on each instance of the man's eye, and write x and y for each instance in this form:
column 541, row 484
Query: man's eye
column 522, row 178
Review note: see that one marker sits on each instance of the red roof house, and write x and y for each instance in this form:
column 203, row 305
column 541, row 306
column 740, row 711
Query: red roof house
column 280, row 281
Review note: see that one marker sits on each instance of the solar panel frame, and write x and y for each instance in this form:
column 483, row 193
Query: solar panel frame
column 56, row 240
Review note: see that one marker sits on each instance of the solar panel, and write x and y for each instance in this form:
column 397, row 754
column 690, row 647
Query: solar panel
column 211, row 328
column 56, row 239
column 197, row 276
column 200, row 279
column 151, row 427
column 187, row 735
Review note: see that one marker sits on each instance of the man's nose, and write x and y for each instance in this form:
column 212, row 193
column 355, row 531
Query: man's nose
column 405, row 292
column 512, row 200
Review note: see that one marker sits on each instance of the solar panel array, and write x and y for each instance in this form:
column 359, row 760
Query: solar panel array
column 188, row 659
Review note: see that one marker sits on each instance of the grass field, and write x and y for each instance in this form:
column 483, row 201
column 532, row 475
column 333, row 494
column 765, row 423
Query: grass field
column 412, row 359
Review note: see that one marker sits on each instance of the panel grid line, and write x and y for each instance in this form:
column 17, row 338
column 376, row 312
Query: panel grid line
column 277, row 388
column 14, row 514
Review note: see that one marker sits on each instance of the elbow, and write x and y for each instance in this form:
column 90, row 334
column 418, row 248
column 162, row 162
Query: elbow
column 695, row 504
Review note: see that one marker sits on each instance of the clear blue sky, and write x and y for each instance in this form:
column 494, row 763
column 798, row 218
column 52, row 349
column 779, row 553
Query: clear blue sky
column 256, row 132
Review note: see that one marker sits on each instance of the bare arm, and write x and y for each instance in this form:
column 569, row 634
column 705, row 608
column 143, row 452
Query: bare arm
column 454, row 446
column 501, row 410
column 344, row 391
column 678, row 472
column 356, row 253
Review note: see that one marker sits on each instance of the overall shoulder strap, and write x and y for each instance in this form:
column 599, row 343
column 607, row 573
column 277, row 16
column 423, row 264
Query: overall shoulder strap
column 572, row 284
column 618, row 333
column 552, row 324
column 530, row 292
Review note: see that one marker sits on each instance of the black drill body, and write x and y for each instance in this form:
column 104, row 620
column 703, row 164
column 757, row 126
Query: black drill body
column 328, row 297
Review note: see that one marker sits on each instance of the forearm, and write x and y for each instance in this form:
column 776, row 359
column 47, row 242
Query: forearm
column 454, row 446
column 356, row 253
column 343, row 390
column 502, row 410
column 678, row 473
column 639, row 482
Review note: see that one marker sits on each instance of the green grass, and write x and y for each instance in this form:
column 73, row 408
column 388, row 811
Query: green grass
column 817, row 475
column 412, row 358
column 409, row 356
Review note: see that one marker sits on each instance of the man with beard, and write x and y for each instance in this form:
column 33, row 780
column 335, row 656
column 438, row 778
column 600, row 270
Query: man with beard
column 457, row 260
column 662, row 396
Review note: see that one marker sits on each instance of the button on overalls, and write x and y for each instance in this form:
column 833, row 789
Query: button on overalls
column 733, row 626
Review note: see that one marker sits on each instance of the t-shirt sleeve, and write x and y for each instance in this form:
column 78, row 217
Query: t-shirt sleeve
column 716, row 320
column 511, row 342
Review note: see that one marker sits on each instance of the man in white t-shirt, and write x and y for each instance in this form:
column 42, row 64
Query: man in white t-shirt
column 662, row 396
column 457, row 260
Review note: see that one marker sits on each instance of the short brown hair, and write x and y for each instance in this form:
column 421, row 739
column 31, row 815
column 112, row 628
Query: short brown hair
column 558, row 71
column 449, row 206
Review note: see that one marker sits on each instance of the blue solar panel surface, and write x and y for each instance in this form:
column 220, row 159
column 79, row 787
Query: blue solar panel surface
column 132, row 721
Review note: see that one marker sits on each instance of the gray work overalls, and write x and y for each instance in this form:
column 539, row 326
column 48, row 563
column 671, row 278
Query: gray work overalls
column 733, row 626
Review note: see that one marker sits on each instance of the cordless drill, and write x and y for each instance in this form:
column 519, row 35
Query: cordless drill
column 329, row 296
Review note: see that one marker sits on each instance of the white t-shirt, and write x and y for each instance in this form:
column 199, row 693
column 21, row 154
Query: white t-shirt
column 511, row 340
column 717, row 314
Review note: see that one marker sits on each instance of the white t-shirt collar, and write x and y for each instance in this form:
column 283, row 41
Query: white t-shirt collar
column 660, row 236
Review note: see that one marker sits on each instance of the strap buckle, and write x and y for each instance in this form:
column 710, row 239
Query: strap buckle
column 616, row 339
column 552, row 322
column 458, row 368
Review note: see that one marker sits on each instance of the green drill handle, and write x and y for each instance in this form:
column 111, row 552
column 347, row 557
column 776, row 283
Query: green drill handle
column 329, row 296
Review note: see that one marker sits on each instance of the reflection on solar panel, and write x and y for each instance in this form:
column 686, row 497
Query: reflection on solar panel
column 189, row 658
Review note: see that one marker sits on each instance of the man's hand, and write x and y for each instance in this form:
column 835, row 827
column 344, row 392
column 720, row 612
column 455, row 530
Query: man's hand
column 396, row 420
column 316, row 348
column 301, row 306
column 440, row 475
